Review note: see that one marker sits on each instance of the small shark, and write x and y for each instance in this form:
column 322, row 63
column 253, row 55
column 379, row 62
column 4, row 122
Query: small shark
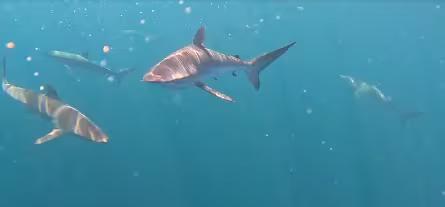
column 81, row 61
column 193, row 63
column 362, row 88
column 66, row 118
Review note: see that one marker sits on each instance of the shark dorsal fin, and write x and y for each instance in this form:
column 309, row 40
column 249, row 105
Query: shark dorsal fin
column 199, row 37
column 49, row 91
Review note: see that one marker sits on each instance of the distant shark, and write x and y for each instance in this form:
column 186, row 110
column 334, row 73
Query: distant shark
column 190, row 65
column 81, row 61
column 362, row 88
column 66, row 118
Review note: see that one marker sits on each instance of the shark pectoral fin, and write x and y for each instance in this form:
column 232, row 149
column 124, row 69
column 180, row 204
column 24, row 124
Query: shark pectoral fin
column 214, row 92
column 50, row 136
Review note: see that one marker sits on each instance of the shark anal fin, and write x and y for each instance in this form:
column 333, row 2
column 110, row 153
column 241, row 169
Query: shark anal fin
column 214, row 92
column 55, row 133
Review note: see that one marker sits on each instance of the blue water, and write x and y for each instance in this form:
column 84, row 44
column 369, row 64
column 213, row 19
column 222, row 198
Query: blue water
column 303, row 140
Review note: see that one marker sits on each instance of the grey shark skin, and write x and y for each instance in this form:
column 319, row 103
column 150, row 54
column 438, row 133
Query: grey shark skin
column 79, row 61
column 66, row 118
column 193, row 63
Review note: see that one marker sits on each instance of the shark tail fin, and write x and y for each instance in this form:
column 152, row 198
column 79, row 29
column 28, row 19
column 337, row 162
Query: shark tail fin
column 121, row 74
column 260, row 63
column 405, row 117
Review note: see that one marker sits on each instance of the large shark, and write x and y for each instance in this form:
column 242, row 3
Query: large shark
column 363, row 89
column 71, row 60
column 66, row 118
column 193, row 63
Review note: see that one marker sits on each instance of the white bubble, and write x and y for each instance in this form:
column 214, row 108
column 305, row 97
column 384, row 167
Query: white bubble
column 36, row 74
column 90, row 35
column 103, row 63
column 278, row 17
column 147, row 39
column 323, row 142
column 331, row 148
column 110, row 79
column 29, row 58
column 261, row 20
column 42, row 28
column 136, row 3
column 438, row 6
column 188, row 10
column 309, row 111
column 300, row 8
column 153, row 11
column 443, row 193
column 42, row 88
column 36, row 49
column 181, row 2
column 142, row 21
column 267, row 135
column 130, row 49
column 304, row 91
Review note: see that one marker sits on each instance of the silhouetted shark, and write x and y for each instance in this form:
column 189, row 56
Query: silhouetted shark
column 81, row 61
column 362, row 88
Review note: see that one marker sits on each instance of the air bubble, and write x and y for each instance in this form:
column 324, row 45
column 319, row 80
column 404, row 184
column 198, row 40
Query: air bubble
column 36, row 74
column 188, row 10
column 29, row 58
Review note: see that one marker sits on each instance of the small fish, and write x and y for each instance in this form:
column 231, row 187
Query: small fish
column 72, row 60
column 193, row 63
column 66, row 118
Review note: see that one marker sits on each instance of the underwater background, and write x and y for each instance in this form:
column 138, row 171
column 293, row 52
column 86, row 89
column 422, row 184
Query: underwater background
column 302, row 140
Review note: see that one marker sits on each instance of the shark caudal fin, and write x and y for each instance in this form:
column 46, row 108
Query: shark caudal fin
column 260, row 63
column 121, row 74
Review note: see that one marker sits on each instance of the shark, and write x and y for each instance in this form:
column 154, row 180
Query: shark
column 66, row 118
column 71, row 60
column 190, row 65
column 362, row 89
